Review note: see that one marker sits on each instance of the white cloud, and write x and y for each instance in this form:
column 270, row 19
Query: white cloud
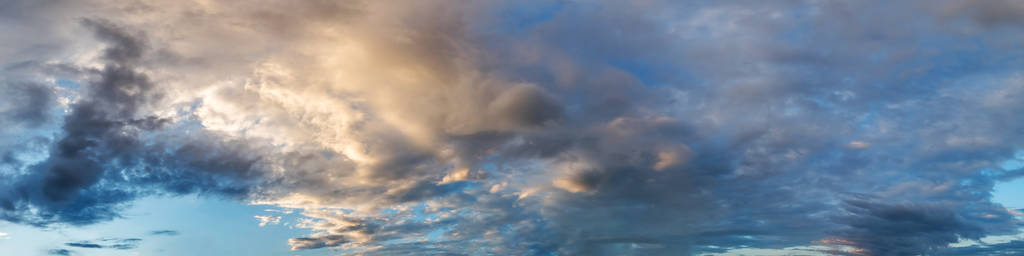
column 268, row 219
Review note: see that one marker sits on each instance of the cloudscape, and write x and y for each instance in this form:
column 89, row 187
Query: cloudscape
column 450, row 127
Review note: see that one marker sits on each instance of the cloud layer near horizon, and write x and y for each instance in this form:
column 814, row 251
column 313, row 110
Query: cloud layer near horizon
column 525, row 127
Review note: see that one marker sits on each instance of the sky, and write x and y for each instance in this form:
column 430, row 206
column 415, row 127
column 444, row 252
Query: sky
column 345, row 127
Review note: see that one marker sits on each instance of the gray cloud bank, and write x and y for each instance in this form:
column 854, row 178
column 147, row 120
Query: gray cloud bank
column 526, row 127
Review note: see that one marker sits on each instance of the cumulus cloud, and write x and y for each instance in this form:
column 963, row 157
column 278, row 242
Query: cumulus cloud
column 525, row 128
column 94, row 129
column 102, row 132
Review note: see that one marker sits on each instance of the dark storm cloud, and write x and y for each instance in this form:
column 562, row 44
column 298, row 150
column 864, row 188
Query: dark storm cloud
column 97, row 130
column 883, row 229
column 75, row 185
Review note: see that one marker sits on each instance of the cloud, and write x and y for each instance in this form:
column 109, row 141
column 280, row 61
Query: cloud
column 95, row 129
column 109, row 243
column 27, row 104
column 164, row 233
column 59, row 252
column 1007, row 248
column 989, row 14
column 102, row 131
column 525, row 128
column 268, row 219
column 84, row 245
column 881, row 229
column 305, row 243
column 125, row 244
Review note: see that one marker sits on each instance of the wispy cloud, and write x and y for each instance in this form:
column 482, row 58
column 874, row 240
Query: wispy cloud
column 59, row 252
column 268, row 219
column 84, row 245
column 164, row 232
column 108, row 243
